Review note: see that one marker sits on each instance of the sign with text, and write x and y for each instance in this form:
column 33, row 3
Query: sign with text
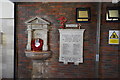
column 71, row 25
column 71, row 46
column 114, row 36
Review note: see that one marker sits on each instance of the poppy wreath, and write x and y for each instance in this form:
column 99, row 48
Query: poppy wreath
column 62, row 21
column 38, row 48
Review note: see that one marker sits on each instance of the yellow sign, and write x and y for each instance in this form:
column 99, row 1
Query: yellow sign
column 113, row 37
column 82, row 19
column 114, row 41
column 83, row 14
column 114, row 13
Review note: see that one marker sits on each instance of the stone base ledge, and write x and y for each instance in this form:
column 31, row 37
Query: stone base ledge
column 38, row 55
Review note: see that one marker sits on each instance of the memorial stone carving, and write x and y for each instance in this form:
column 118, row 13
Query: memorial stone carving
column 37, row 47
column 71, row 46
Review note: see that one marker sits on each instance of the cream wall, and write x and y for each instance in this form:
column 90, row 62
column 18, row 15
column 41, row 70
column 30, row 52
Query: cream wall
column 8, row 48
column 7, row 45
column 0, row 52
column 6, row 9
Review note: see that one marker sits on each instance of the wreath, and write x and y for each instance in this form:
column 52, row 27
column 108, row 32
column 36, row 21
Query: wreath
column 37, row 44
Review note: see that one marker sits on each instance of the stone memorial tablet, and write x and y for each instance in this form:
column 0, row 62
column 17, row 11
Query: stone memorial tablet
column 71, row 45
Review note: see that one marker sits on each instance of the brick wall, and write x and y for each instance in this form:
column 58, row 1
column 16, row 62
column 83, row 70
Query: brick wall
column 109, row 60
column 51, row 12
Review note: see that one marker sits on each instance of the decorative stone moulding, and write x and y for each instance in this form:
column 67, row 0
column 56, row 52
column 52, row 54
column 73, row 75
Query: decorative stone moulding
column 43, row 55
column 38, row 34
column 37, row 28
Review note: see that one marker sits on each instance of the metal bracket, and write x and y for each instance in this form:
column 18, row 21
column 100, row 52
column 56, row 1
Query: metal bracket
column 1, row 37
column 97, row 57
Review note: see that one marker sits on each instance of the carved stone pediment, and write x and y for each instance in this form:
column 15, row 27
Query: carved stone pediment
column 37, row 28
column 37, row 20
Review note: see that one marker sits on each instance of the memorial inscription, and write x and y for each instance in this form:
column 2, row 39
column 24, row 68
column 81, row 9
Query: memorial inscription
column 37, row 34
column 70, row 38
column 71, row 46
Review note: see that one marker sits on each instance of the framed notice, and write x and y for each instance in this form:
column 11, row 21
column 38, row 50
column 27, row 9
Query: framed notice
column 82, row 15
column 114, row 36
column 113, row 14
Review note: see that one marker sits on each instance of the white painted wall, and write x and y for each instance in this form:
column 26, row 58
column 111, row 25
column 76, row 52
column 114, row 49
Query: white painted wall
column 0, row 52
column 8, row 48
column 7, row 45
column 6, row 9
column 115, row 1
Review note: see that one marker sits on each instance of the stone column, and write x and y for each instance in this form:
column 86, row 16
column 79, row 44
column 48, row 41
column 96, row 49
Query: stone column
column 45, row 46
column 29, row 37
column 39, row 69
column 40, row 63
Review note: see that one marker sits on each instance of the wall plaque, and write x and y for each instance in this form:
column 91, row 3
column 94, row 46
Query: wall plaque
column 114, row 36
column 83, row 15
column 71, row 45
column 71, row 25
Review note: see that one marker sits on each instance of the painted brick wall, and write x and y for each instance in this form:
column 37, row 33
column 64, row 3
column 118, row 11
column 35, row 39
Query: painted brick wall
column 51, row 12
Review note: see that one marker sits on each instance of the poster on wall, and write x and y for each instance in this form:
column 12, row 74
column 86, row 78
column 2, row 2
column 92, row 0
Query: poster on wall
column 114, row 36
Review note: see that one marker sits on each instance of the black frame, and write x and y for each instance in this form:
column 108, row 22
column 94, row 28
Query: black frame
column 113, row 8
column 83, row 9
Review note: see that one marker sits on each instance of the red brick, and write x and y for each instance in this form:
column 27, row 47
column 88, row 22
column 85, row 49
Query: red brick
column 52, row 11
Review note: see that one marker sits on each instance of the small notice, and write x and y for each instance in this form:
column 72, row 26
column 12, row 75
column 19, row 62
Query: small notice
column 71, row 25
column 114, row 36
